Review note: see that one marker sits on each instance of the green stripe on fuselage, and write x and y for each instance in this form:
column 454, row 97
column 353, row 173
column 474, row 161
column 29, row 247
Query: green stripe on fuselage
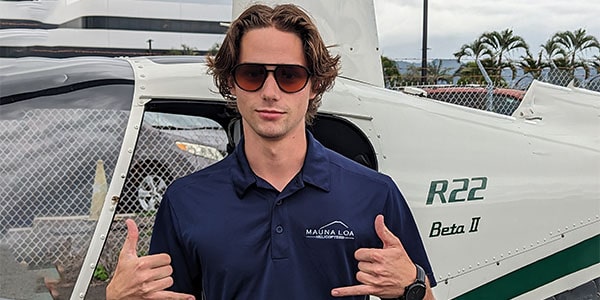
column 539, row 273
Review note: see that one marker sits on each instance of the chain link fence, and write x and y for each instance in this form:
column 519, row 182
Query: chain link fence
column 47, row 168
column 499, row 100
column 164, row 153
column 499, row 97
column 57, row 163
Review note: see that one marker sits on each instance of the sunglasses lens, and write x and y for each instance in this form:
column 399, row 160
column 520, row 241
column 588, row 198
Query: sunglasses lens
column 250, row 77
column 291, row 79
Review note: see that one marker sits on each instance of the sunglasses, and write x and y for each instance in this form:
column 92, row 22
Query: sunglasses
column 289, row 78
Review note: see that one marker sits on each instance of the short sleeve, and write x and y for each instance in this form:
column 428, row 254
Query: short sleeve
column 166, row 238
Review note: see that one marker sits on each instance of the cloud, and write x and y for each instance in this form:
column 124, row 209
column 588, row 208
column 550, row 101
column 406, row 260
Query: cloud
column 452, row 24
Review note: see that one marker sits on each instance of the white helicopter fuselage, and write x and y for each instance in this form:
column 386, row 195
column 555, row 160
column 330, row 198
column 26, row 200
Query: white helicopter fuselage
column 507, row 206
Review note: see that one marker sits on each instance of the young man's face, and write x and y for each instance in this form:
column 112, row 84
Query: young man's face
column 270, row 112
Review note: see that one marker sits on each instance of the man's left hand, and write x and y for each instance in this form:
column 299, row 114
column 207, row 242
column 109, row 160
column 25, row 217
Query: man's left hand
column 383, row 272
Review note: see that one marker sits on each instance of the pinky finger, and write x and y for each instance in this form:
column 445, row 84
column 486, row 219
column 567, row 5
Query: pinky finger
column 365, row 278
column 157, row 285
column 168, row 295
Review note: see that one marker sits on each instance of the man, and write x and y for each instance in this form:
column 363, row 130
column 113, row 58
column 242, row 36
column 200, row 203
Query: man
column 282, row 217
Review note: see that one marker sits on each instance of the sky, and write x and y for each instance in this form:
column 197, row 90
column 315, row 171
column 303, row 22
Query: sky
column 454, row 23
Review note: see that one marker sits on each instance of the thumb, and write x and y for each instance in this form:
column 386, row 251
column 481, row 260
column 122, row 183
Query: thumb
column 385, row 235
column 130, row 244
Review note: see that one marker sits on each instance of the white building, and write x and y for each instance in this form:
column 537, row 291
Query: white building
column 63, row 28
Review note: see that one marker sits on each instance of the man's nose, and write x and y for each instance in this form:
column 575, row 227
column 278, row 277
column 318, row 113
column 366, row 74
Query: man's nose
column 270, row 88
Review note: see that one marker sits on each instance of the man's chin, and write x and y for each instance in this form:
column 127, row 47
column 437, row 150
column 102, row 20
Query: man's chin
column 273, row 133
column 271, row 136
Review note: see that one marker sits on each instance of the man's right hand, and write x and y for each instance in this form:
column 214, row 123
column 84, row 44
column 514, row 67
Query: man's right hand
column 144, row 277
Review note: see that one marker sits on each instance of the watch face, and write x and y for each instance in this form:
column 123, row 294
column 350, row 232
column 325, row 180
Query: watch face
column 415, row 292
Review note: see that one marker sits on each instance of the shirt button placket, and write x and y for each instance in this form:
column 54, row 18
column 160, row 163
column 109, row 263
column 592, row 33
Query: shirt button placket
column 279, row 239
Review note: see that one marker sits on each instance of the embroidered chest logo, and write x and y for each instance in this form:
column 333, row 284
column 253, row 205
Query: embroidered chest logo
column 336, row 230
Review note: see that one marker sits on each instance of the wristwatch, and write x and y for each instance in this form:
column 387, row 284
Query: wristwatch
column 416, row 290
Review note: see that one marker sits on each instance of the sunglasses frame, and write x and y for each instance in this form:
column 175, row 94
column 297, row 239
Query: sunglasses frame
column 264, row 66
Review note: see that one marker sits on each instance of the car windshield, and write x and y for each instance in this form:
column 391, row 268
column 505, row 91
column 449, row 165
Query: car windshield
column 178, row 122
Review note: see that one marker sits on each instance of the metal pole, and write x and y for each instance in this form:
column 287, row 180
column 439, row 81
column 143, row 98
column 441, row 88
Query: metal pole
column 149, row 46
column 489, row 88
column 424, row 49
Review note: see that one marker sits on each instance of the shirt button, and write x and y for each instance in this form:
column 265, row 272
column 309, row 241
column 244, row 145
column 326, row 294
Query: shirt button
column 278, row 202
column 279, row 229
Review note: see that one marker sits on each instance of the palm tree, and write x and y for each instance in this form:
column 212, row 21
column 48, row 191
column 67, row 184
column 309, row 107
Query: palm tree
column 185, row 50
column 596, row 63
column 552, row 51
column 391, row 75
column 594, row 82
column 532, row 65
column 436, row 73
column 470, row 73
column 502, row 43
column 477, row 49
column 576, row 43
column 495, row 46
column 212, row 51
column 412, row 75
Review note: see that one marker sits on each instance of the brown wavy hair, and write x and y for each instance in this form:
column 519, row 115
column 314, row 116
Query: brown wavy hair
column 288, row 18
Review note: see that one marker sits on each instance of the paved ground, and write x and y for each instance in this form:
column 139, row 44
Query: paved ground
column 15, row 281
column 96, row 292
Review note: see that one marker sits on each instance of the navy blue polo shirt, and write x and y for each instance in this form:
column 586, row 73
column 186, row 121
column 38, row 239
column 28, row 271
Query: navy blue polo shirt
column 231, row 235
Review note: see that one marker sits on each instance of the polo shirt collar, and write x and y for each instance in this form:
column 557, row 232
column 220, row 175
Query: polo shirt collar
column 315, row 170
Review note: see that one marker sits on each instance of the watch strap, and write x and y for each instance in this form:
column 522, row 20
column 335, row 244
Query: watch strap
column 420, row 280
column 419, row 283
